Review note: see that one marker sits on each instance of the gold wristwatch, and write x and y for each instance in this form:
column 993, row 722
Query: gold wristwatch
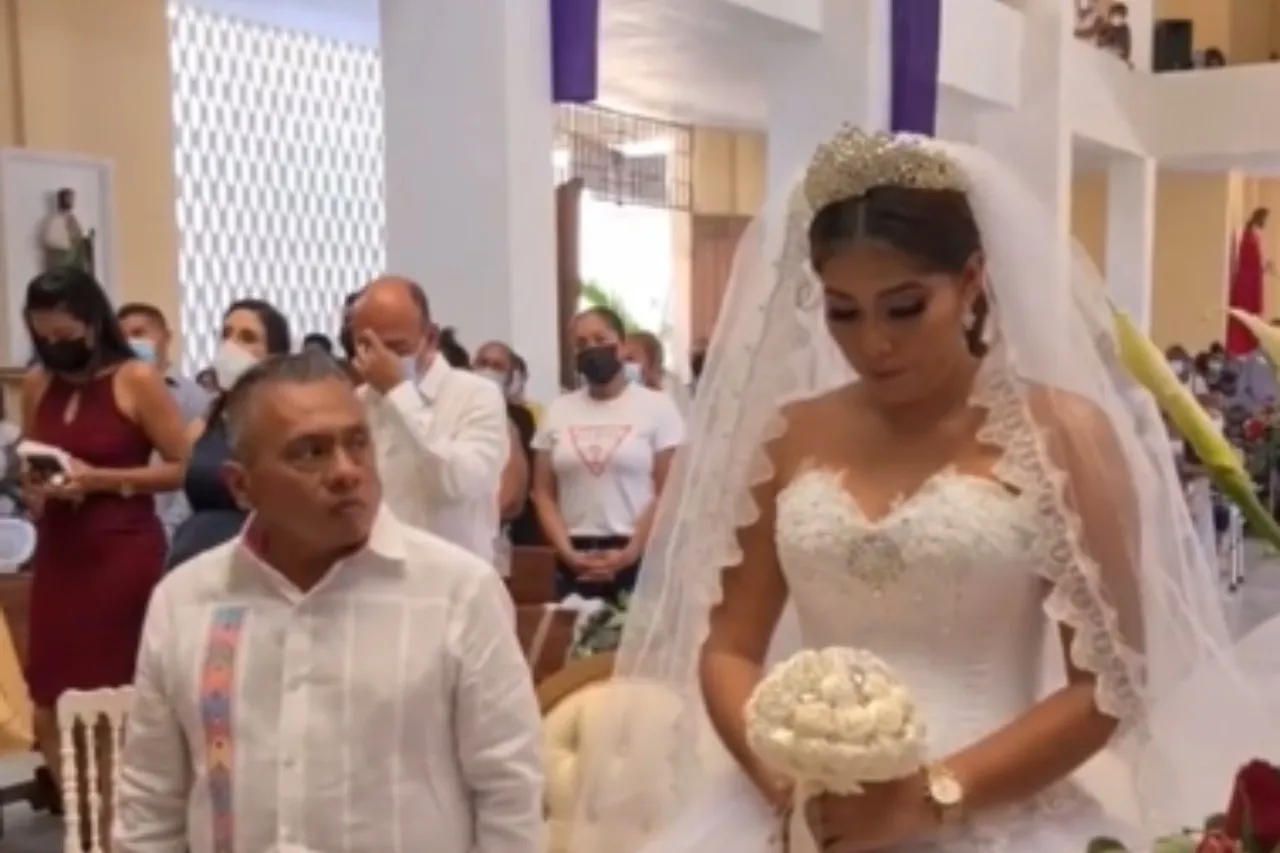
column 945, row 793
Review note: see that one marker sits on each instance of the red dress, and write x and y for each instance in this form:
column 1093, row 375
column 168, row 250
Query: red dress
column 1246, row 291
column 96, row 561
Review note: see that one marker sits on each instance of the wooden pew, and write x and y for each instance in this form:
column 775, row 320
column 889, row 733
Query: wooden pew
column 551, row 631
column 533, row 575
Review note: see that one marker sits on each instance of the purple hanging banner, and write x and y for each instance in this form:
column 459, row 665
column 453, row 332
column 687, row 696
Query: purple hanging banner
column 916, row 39
column 575, row 51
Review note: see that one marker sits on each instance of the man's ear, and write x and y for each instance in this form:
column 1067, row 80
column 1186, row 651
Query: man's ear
column 237, row 480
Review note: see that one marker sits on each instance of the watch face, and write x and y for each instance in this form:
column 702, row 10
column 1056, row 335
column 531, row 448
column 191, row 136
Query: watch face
column 945, row 790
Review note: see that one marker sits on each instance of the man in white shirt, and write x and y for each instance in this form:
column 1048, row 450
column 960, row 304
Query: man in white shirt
column 440, row 433
column 332, row 680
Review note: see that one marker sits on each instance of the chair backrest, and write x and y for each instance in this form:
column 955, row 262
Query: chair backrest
column 91, row 730
column 532, row 579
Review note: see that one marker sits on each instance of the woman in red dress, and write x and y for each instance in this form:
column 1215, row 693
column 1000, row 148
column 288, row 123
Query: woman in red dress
column 100, row 547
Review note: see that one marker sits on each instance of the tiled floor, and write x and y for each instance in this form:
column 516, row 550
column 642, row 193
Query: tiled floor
column 29, row 833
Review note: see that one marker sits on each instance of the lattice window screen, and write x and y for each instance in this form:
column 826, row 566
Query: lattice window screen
column 278, row 150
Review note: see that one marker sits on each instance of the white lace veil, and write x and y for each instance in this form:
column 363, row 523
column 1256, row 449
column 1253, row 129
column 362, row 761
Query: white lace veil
column 1081, row 443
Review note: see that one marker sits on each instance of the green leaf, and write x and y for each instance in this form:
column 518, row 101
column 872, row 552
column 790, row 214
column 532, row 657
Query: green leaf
column 595, row 295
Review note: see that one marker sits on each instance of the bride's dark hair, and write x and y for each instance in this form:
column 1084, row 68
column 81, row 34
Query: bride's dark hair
column 936, row 228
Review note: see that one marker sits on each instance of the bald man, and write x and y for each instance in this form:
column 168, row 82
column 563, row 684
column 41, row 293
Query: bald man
column 440, row 433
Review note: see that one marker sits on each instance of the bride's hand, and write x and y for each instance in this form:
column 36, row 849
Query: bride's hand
column 885, row 816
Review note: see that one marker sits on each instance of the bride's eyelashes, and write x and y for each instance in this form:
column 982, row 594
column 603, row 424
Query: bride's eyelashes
column 907, row 310
column 900, row 312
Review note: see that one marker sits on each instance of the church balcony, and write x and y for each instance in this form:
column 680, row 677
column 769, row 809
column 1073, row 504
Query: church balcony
column 1223, row 116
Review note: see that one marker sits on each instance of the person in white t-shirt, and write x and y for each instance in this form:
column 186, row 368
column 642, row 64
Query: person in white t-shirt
column 645, row 362
column 601, row 458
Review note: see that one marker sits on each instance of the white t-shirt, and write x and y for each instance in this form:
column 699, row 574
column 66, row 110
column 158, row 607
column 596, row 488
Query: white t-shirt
column 602, row 452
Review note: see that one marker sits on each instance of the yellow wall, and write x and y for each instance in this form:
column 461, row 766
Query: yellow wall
column 1197, row 218
column 92, row 77
column 1247, row 30
column 728, row 172
column 1089, row 215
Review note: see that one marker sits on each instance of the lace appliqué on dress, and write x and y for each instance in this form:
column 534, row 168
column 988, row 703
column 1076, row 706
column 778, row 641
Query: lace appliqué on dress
column 1077, row 599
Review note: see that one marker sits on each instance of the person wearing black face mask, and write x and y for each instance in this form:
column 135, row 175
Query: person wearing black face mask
column 601, row 457
column 100, row 548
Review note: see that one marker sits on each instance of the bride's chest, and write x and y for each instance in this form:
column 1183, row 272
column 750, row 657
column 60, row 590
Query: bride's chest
column 958, row 548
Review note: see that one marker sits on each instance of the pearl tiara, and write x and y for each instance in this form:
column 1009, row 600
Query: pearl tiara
column 853, row 162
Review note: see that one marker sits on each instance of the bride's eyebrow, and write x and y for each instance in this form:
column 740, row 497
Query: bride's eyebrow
column 911, row 288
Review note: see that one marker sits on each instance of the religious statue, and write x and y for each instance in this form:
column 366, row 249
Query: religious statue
column 64, row 240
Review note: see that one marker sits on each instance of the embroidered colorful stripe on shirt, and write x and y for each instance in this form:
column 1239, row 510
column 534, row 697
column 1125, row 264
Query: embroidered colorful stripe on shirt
column 217, row 691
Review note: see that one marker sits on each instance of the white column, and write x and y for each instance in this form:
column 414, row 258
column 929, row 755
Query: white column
column 1034, row 138
column 815, row 84
column 469, row 129
column 1142, row 21
column 1131, row 231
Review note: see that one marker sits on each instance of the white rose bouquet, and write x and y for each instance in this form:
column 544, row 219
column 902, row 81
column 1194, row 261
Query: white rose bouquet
column 833, row 720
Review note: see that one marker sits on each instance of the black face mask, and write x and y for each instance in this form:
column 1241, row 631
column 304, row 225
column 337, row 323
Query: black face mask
column 64, row 356
column 599, row 364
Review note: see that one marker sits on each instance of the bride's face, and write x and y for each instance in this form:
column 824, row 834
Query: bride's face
column 900, row 325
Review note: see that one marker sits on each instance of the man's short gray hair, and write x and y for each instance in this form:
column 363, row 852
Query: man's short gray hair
column 301, row 368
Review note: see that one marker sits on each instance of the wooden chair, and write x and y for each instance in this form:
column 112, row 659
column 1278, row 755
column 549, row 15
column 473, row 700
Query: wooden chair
column 562, row 722
column 533, row 575
column 546, row 633
column 91, row 724
column 571, row 678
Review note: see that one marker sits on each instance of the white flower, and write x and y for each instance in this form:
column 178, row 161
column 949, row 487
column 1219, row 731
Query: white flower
column 835, row 719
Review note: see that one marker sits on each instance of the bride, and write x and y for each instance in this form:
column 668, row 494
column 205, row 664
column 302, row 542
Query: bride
column 914, row 436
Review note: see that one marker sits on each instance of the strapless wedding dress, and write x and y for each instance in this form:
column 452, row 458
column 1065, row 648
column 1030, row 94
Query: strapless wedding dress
column 940, row 588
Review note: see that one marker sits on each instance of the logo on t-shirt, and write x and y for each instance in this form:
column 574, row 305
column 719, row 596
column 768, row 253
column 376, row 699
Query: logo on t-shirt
column 595, row 445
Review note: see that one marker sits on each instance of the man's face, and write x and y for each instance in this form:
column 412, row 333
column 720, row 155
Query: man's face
column 306, row 464
column 145, row 328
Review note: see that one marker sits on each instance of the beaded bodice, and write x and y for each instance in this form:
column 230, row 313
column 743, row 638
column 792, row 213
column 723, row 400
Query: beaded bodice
column 940, row 588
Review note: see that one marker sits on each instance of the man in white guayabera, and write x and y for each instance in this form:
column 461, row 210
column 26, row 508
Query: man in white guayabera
column 332, row 679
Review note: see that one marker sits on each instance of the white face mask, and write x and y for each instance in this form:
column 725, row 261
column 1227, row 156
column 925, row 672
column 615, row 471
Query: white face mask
column 497, row 377
column 230, row 364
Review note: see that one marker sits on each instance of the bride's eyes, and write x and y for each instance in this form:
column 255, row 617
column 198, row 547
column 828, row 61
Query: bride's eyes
column 907, row 310
column 902, row 312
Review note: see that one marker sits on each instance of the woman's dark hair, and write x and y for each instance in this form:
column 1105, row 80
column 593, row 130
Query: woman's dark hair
column 935, row 228
column 76, row 292
column 64, row 198
column 1177, row 352
column 275, row 329
column 608, row 316
column 454, row 353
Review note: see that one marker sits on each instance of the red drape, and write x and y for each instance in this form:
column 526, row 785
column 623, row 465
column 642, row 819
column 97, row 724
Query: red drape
column 1246, row 291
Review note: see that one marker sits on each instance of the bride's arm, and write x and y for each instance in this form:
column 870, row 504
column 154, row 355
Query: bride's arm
column 732, row 660
column 1059, row 734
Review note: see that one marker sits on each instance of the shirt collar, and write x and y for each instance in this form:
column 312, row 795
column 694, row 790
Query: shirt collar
column 433, row 378
column 385, row 547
